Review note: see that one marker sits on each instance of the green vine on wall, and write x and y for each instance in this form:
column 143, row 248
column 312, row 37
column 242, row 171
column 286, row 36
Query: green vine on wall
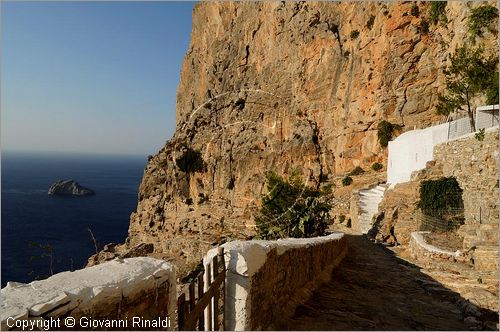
column 443, row 194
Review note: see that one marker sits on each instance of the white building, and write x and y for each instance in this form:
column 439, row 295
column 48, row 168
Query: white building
column 411, row 151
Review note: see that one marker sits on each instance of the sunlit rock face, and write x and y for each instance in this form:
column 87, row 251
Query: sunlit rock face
column 285, row 86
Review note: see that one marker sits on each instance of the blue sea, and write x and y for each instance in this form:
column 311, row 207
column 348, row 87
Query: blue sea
column 36, row 226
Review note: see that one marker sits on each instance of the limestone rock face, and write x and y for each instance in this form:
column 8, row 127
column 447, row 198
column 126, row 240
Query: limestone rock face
column 69, row 188
column 283, row 86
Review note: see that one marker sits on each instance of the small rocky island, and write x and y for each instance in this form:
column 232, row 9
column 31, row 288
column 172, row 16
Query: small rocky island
column 69, row 188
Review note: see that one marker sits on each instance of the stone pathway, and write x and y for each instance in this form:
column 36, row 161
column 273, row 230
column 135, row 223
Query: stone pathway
column 372, row 289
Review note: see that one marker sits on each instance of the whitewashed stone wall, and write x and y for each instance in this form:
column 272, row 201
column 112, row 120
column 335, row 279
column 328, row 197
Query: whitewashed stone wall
column 266, row 280
column 116, row 290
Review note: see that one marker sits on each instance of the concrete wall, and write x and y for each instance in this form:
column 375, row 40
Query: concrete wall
column 266, row 280
column 120, row 289
column 486, row 116
column 411, row 151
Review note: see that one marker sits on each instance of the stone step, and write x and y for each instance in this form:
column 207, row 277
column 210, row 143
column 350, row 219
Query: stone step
column 371, row 194
column 371, row 197
column 368, row 210
column 369, row 201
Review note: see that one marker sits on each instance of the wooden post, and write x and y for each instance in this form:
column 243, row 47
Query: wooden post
column 192, row 302
column 181, row 315
column 201, row 321
column 209, row 307
column 215, row 266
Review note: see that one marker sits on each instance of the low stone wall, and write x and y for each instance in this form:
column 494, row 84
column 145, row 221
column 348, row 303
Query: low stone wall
column 117, row 292
column 266, row 280
column 420, row 249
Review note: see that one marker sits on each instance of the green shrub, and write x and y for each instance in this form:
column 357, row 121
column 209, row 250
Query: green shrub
column 415, row 10
column 442, row 205
column 483, row 17
column 385, row 132
column 377, row 167
column 346, row 54
column 442, row 195
column 292, row 209
column 341, row 218
column 356, row 171
column 424, row 27
column 346, row 181
column 437, row 12
column 480, row 135
column 349, row 223
column 190, row 161
column 354, row 34
column 370, row 22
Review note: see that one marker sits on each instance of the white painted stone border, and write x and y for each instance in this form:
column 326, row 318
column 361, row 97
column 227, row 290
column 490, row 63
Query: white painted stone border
column 243, row 260
column 418, row 237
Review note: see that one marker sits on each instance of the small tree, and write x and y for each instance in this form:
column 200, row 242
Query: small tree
column 469, row 75
column 292, row 209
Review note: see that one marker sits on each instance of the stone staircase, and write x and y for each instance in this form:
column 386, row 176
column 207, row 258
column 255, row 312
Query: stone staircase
column 369, row 199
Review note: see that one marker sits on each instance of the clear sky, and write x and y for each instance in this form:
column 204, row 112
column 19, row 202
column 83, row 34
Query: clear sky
column 96, row 77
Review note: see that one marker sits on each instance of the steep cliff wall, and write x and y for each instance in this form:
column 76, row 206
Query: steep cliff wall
column 285, row 86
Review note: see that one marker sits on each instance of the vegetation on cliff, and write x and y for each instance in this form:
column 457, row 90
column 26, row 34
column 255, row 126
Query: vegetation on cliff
column 356, row 171
column 292, row 209
column 482, row 18
column 377, row 167
column 190, row 161
column 347, row 181
column 385, row 132
column 437, row 12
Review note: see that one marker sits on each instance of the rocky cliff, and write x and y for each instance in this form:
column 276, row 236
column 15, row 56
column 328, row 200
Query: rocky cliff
column 284, row 86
